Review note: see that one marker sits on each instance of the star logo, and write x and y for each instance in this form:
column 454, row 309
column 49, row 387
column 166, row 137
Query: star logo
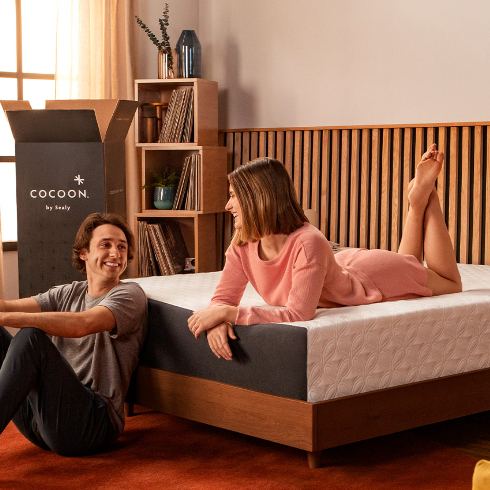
column 79, row 179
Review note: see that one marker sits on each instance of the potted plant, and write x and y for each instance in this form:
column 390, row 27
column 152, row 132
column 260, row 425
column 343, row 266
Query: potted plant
column 165, row 58
column 165, row 184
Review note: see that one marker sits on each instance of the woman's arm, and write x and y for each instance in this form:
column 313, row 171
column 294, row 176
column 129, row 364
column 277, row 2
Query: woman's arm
column 225, row 300
column 302, row 300
column 210, row 317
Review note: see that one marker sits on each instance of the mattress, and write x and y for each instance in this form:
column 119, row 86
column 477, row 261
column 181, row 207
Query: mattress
column 357, row 349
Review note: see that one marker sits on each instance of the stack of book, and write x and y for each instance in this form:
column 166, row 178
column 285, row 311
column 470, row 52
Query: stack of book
column 178, row 122
column 188, row 194
column 161, row 249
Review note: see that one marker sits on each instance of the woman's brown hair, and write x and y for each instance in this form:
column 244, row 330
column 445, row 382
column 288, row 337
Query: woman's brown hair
column 267, row 199
column 85, row 233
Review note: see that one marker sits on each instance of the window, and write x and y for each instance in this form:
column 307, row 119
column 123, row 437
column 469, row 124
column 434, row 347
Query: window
column 27, row 65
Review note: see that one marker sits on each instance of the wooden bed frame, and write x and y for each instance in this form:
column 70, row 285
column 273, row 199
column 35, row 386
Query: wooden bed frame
column 313, row 426
column 355, row 179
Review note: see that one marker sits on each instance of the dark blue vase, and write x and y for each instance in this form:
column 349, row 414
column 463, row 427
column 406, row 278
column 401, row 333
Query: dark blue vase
column 189, row 55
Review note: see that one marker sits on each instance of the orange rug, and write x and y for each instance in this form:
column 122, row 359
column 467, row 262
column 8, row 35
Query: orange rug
column 159, row 451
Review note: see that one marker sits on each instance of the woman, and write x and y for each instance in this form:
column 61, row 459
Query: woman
column 292, row 266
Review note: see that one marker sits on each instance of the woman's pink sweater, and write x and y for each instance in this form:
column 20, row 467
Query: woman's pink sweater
column 307, row 274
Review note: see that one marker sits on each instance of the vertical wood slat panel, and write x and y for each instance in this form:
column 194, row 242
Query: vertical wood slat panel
column 297, row 169
column 334, row 186
column 245, row 147
column 384, row 236
column 453, row 188
column 397, row 195
column 375, row 186
column 280, row 146
column 237, row 160
column 262, row 144
column 420, row 145
column 254, row 145
column 486, row 258
column 477, row 197
column 407, row 170
column 271, row 144
column 365, row 179
column 344, row 188
column 354, row 190
column 306, row 173
column 464, row 236
column 431, row 138
column 288, row 152
column 356, row 178
column 326, row 172
column 232, row 141
column 316, row 165
column 442, row 180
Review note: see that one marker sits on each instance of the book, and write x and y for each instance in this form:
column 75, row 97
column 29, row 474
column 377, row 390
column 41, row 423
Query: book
column 147, row 265
column 186, row 138
column 164, row 135
column 189, row 202
column 163, row 244
column 178, row 122
column 158, row 249
column 176, row 245
column 161, row 248
column 182, row 186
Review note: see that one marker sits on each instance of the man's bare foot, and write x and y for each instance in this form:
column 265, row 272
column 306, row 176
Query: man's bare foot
column 426, row 175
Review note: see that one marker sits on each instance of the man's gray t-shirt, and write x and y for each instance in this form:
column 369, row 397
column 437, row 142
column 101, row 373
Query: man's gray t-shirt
column 103, row 361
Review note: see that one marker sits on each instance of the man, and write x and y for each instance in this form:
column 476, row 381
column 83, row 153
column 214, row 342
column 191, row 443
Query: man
column 65, row 374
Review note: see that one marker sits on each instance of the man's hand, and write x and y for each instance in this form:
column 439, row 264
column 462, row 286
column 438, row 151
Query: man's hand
column 218, row 340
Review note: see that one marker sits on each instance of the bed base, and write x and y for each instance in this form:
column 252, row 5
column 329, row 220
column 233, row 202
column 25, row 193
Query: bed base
column 312, row 427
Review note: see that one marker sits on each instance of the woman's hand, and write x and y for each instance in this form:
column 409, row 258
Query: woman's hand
column 218, row 340
column 210, row 317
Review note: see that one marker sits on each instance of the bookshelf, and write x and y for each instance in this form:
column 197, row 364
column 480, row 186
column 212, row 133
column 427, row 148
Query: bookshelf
column 198, row 225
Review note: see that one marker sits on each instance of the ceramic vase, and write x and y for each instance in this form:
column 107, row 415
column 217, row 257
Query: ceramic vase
column 189, row 55
column 163, row 197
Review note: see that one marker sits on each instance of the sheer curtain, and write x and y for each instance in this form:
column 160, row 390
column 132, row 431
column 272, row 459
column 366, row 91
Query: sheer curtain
column 96, row 59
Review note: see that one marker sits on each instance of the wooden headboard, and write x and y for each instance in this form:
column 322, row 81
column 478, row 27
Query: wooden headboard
column 356, row 178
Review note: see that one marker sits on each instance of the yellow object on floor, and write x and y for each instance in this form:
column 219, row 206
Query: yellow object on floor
column 481, row 475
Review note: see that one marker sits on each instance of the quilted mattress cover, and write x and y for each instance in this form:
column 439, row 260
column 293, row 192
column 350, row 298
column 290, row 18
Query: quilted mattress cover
column 358, row 349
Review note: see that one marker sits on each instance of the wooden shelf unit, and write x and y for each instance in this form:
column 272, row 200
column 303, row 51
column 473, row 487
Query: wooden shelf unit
column 212, row 182
column 205, row 107
column 199, row 227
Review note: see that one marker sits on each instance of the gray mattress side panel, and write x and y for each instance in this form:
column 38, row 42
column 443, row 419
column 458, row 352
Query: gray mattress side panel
column 270, row 358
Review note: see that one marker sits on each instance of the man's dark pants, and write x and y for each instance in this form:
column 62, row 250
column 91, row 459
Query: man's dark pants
column 42, row 395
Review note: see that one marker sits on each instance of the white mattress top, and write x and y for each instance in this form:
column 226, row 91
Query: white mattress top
column 356, row 349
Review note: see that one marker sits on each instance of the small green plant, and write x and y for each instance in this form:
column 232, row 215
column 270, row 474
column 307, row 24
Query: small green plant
column 164, row 179
column 164, row 44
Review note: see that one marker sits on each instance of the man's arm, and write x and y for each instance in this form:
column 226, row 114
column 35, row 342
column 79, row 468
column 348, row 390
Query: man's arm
column 27, row 313
column 27, row 305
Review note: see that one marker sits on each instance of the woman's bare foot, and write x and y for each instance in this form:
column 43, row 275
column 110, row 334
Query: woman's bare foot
column 426, row 175
column 431, row 148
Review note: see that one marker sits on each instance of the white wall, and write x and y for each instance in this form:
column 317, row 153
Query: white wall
column 11, row 274
column 284, row 63
column 183, row 14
